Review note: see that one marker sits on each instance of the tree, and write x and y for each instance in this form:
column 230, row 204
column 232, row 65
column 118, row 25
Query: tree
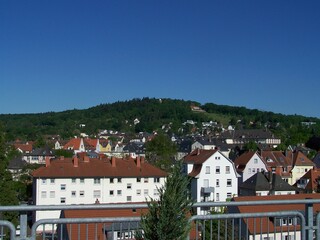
column 167, row 218
column 8, row 194
column 161, row 152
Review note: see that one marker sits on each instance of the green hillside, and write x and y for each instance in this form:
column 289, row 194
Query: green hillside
column 153, row 114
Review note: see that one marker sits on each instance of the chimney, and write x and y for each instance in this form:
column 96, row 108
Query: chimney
column 86, row 159
column 113, row 161
column 138, row 162
column 76, row 161
column 198, row 151
column 62, row 158
column 141, row 159
column 47, row 161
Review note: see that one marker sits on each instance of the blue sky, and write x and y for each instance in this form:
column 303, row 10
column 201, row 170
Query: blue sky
column 59, row 55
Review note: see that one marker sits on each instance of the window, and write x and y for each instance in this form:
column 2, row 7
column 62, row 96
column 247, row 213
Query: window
column 155, row 192
column 119, row 180
column 227, row 169
column 73, row 180
column 156, row 180
column 229, row 182
column 253, row 170
column 138, row 179
column 217, row 197
column 287, row 221
column 111, row 192
column 111, row 180
column 217, row 158
column 52, row 180
column 73, row 193
column 129, row 185
column 63, row 200
column 96, row 193
column 119, row 192
column 217, row 169
column 207, row 169
column 205, row 183
column 44, row 181
column 229, row 195
column 145, row 191
column 81, row 194
column 129, row 198
column 273, row 170
column 255, row 160
column 146, row 180
column 96, row 181
column 217, row 183
column 43, row 194
column 249, row 170
column 62, row 187
column 81, row 180
column 52, row 194
column 138, row 192
column 258, row 169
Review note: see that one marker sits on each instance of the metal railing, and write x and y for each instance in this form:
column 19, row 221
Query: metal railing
column 228, row 225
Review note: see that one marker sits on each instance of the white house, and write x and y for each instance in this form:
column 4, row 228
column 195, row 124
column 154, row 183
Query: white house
column 87, row 180
column 248, row 164
column 214, row 177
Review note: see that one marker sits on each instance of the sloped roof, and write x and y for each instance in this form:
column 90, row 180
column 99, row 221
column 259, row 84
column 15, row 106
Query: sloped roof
column 265, row 224
column 98, row 168
column 277, row 157
column 95, row 230
column 16, row 163
column 261, row 182
column 199, row 156
column 23, row 147
column 312, row 175
column 244, row 158
column 299, row 159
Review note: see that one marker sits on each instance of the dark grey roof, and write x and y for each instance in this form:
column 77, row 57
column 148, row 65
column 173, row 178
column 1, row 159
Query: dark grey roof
column 316, row 160
column 45, row 151
column 16, row 163
column 260, row 182
column 135, row 147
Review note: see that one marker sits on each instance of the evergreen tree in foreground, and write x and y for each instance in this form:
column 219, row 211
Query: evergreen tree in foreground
column 167, row 218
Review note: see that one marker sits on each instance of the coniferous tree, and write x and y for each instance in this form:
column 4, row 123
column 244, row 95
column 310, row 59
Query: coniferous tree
column 167, row 218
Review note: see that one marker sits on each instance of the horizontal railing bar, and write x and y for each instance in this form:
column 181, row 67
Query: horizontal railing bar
column 145, row 205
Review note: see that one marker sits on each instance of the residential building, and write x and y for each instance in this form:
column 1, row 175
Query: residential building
column 301, row 164
column 248, row 164
column 87, row 180
column 214, row 177
column 310, row 181
column 272, row 228
column 264, row 184
column 38, row 155
column 278, row 163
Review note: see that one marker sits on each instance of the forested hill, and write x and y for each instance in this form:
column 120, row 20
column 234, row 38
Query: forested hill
column 152, row 115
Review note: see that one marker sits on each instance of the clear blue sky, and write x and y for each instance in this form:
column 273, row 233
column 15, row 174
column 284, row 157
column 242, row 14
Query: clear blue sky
column 59, row 54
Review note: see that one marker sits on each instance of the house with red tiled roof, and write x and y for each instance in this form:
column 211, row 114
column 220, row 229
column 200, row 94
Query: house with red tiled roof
column 248, row 164
column 84, row 180
column 280, row 227
column 108, row 230
column 82, row 145
column 277, row 162
column 214, row 176
column 23, row 147
column 310, row 181
column 301, row 164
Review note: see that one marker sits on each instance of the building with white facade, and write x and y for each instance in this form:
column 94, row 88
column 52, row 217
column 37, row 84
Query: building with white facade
column 89, row 180
column 214, row 177
column 248, row 164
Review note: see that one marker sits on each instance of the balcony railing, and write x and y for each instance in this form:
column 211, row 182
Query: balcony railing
column 229, row 225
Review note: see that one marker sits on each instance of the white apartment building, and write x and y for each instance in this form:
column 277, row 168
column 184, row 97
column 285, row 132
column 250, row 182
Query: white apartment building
column 91, row 180
column 214, row 177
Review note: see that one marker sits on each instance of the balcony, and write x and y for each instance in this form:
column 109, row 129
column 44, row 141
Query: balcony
column 207, row 190
column 231, row 224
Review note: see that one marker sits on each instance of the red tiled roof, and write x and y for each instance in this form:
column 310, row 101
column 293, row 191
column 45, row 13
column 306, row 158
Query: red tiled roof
column 23, row 147
column 199, row 156
column 95, row 230
column 265, row 224
column 98, row 168
column 73, row 144
column 196, row 170
column 312, row 175
column 299, row 159
column 244, row 158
